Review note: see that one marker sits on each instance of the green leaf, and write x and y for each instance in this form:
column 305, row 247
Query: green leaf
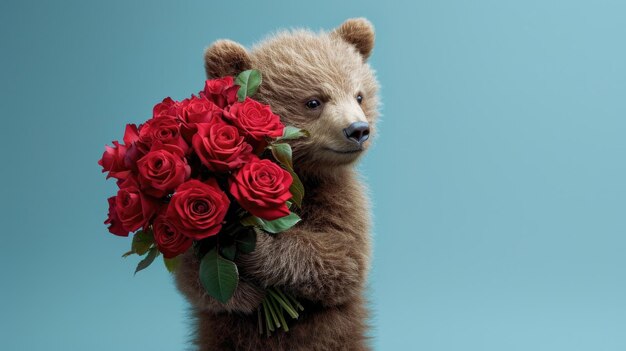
column 171, row 263
column 273, row 227
column 143, row 264
column 246, row 241
column 291, row 133
column 229, row 251
column 218, row 275
column 142, row 241
column 296, row 189
column 251, row 221
column 248, row 82
column 281, row 224
column 282, row 153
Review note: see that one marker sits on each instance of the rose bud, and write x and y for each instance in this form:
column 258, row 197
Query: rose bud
column 133, row 208
column 222, row 91
column 262, row 188
column 255, row 120
column 114, row 222
column 169, row 240
column 197, row 209
column 220, row 147
column 162, row 169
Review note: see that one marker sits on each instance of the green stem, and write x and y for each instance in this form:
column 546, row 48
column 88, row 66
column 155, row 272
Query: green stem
column 295, row 302
column 282, row 295
column 283, row 303
column 268, row 321
column 279, row 312
column 260, row 319
column 274, row 316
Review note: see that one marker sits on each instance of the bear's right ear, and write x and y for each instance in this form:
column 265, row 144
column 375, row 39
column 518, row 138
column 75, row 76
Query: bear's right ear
column 226, row 58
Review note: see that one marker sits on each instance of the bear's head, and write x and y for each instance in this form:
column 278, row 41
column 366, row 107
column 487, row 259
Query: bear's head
column 320, row 82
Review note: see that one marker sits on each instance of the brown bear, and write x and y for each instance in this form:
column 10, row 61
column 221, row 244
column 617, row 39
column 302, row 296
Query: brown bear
column 320, row 82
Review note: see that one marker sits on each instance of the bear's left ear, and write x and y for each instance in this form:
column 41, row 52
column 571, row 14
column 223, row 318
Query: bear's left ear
column 358, row 32
column 226, row 58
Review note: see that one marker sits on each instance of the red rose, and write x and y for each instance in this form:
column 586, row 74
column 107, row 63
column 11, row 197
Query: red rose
column 135, row 152
column 112, row 161
column 133, row 209
column 197, row 209
column 220, row 147
column 131, row 134
column 135, row 149
column 169, row 240
column 167, row 107
column 162, row 169
column 114, row 222
column 115, row 159
column 199, row 110
column 222, row 91
column 255, row 120
column 261, row 187
column 164, row 129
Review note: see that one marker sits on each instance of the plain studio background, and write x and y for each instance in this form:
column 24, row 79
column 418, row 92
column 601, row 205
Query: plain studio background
column 498, row 179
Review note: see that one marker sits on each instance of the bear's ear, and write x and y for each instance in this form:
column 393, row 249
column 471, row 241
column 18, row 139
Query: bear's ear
column 225, row 58
column 358, row 32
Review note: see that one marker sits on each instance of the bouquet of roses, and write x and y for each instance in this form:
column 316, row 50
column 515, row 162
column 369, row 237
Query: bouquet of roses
column 207, row 173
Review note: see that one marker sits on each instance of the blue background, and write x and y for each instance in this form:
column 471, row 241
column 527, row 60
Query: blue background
column 498, row 179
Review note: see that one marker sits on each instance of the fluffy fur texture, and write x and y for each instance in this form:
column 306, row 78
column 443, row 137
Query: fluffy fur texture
column 324, row 259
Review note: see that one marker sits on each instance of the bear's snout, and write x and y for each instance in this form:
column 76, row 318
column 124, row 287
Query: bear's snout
column 357, row 132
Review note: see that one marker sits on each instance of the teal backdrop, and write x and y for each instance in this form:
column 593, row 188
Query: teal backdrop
column 498, row 179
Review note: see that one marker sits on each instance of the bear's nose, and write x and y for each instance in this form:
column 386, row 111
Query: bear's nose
column 358, row 132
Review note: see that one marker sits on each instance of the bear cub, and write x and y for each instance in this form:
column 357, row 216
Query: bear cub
column 323, row 83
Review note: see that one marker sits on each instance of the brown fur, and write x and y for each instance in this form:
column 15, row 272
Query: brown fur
column 324, row 260
column 225, row 58
column 358, row 34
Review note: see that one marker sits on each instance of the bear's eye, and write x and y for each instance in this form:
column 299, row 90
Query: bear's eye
column 359, row 98
column 313, row 104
